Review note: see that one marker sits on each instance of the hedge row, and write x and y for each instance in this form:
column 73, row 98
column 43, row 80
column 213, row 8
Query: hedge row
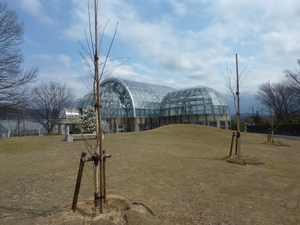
column 284, row 129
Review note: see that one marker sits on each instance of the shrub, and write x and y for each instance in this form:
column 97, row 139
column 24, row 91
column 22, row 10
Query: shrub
column 242, row 126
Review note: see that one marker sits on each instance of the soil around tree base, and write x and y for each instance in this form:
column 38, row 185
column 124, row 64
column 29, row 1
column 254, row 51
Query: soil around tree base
column 244, row 160
column 277, row 143
column 117, row 210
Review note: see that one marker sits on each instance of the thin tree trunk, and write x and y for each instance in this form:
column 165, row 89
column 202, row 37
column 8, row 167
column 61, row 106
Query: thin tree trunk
column 238, row 136
column 99, row 192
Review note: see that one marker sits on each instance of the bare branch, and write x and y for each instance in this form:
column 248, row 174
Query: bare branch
column 230, row 83
column 12, row 77
column 108, row 52
column 49, row 99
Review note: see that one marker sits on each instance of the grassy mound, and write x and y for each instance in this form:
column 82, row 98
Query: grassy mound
column 179, row 169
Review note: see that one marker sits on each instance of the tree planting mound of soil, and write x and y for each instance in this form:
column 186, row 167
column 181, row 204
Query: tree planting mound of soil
column 117, row 210
column 277, row 143
column 244, row 160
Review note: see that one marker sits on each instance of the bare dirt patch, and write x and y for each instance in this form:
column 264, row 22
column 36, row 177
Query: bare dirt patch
column 244, row 160
column 118, row 210
column 177, row 170
column 277, row 143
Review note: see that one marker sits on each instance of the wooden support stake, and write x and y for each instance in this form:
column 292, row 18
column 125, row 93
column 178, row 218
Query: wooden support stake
column 96, row 183
column 231, row 146
column 104, row 177
column 78, row 182
column 238, row 144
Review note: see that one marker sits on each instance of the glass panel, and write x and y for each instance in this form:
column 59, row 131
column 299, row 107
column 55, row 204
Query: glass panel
column 193, row 102
column 209, row 109
column 212, row 124
column 217, row 110
column 223, row 124
column 120, row 128
column 200, row 107
column 173, row 112
column 142, row 127
column 137, row 111
column 208, row 101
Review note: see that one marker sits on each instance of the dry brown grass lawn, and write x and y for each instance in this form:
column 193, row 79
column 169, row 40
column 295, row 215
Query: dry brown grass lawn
column 178, row 169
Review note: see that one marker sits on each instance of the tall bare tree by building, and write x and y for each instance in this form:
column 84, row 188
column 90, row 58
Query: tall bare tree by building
column 294, row 80
column 48, row 99
column 12, row 77
column 281, row 98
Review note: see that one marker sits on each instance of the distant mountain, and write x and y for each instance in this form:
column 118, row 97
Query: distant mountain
column 243, row 116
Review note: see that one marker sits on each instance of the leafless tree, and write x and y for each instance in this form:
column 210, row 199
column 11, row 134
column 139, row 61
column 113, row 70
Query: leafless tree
column 294, row 79
column 280, row 98
column 48, row 99
column 12, row 77
column 233, row 83
column 98, row 70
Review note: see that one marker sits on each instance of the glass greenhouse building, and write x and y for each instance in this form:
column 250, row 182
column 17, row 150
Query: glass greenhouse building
column 130, row 99
column 199, row 105
column 137, row 106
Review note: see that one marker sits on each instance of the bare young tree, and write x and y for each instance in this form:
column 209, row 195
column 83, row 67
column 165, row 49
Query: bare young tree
column 98, row 70
column 12, row 77
column 233, row 83
column 48, row 99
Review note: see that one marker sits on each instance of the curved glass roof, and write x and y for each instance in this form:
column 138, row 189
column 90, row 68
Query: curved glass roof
column 124, row 98
column 87, row 100
column 68, row 113
column 198, row 100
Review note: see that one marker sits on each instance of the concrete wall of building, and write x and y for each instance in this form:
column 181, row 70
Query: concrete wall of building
column 119, row 125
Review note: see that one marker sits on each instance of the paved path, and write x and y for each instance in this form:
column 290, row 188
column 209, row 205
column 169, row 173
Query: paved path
column 281, row 136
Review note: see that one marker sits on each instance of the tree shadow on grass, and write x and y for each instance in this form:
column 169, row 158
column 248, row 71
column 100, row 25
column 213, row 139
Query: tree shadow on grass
column 8, row 212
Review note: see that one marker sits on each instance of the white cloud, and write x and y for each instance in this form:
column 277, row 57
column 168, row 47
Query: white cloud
column 148, row 38
column 55, row 58
column 111, row 11
column 36, row 9
column 64, row 59
column 281, row 44
column 43, row 56
column 195, row 53
column 142, row 67
column 189, row 43
column 283, row 15
column 75, row 80
column 179, row 7
column 79, row 21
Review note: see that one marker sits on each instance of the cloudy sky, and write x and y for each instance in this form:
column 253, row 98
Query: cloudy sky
column 177, row 43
